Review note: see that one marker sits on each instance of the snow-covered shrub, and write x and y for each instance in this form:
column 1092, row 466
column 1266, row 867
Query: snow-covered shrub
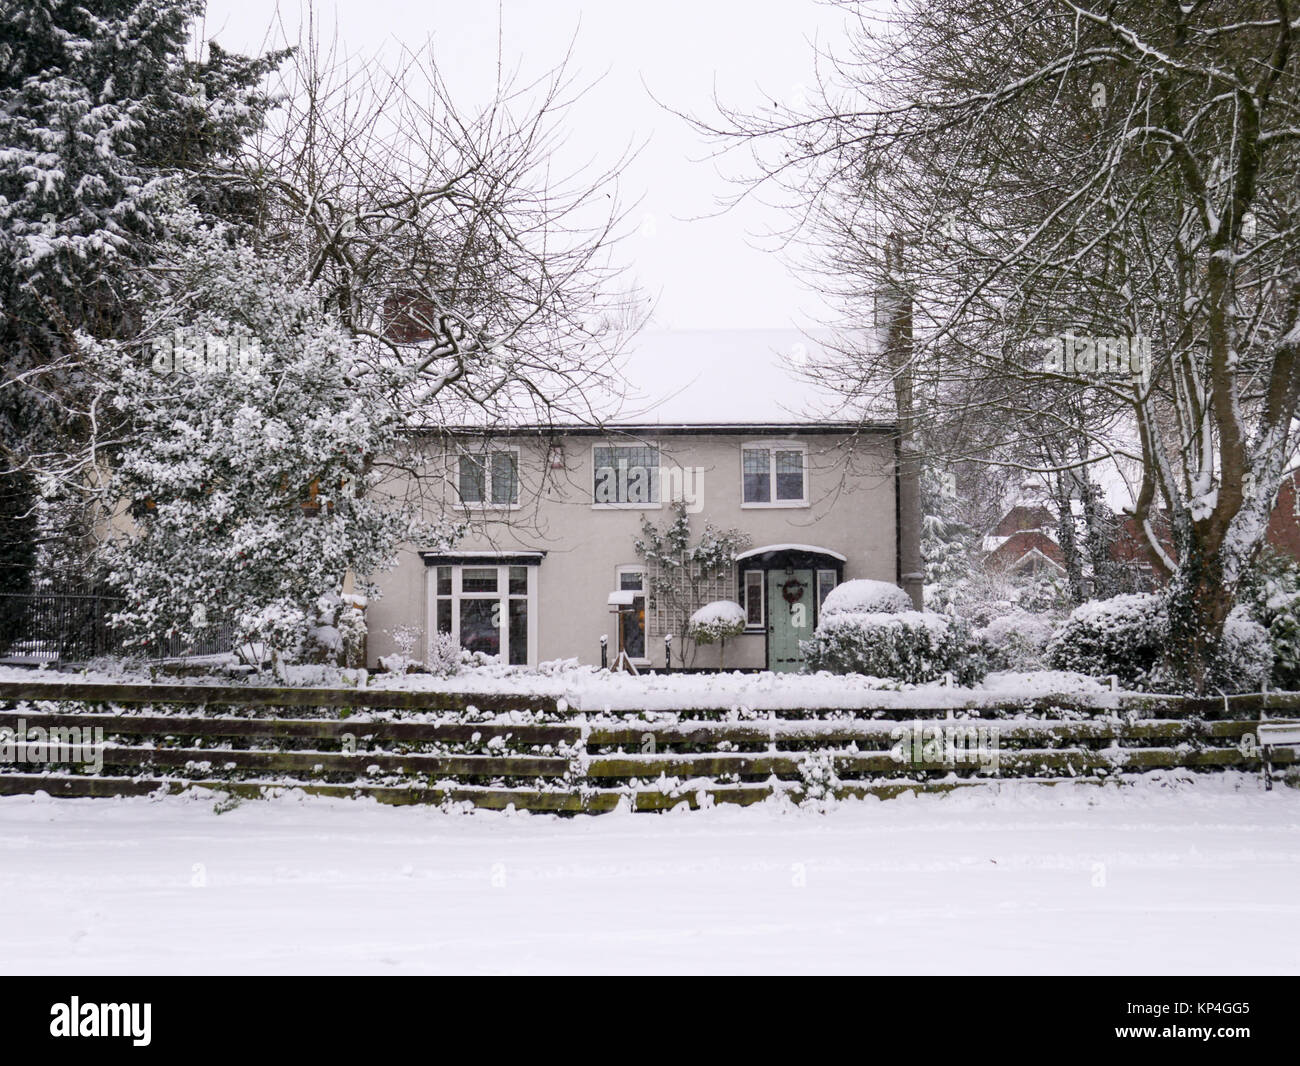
column 862, row 596
column 817, row 771
column 1245, row 658
column 715, row 623
column 1269, row 584
column 403, row 661
column 1271, row 592
column 1124, row 636
column 351, row 625
column 1284, row 636
column 280, row 626
column 1016, row 640
column 1045, row 591
column 444, row 655
column 913, row 646
column 324, row 643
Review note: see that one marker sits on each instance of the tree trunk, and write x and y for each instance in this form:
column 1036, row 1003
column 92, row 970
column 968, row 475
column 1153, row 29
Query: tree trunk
column 1068, row 538
column 1199, row 602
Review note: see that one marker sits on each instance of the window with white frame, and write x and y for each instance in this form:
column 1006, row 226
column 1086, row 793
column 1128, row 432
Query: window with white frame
column 489, row 608
column 753, row 597
column 625, row 475
column 490, row 479
column 774, row 474
column 825, row 582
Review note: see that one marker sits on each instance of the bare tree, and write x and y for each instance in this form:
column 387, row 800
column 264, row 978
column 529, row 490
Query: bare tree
column 444, row 235
column 1121, row 173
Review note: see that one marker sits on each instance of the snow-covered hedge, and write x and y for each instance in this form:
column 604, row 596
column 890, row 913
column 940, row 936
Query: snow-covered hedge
column 866, row 597
column 1123, row 636
column 1016, row 640
column 717, row 621
column 1126, row 636
column 913, row 646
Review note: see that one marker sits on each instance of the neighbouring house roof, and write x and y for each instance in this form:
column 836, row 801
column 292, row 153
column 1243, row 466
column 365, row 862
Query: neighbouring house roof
column 1283, row 533
column 1010, row 554
column 1023, row 517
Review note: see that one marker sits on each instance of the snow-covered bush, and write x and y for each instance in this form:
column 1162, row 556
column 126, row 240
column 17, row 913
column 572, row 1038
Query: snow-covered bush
column 404, row 660
column 1245, row 658
column 324, row 643
column 1124, row 636
column 715, row 623
column 862, row 596
column 1268, row 584
column 351, row 625
column 444, row 655
column 1016, row 640
column 913, row 646
column 1284, row 636
column 1271, row 592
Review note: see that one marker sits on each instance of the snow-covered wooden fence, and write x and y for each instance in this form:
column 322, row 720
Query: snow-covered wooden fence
column 537, row 753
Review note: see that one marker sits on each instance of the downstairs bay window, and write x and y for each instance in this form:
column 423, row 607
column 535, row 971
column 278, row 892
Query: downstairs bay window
column 490, row 608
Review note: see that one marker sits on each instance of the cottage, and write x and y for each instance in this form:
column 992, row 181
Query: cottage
column 551, row 567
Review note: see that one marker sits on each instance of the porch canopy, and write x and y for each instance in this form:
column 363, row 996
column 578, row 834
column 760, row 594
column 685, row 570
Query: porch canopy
column 791, row 556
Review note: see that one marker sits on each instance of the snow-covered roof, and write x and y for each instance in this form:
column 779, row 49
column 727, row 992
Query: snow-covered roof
column 685, row 380
column 730, row 375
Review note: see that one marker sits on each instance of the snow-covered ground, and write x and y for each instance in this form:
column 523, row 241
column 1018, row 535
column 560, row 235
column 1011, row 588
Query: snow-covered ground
column 1172, row 878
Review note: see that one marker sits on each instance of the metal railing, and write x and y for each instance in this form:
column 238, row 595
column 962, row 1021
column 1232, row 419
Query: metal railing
column 61, row 626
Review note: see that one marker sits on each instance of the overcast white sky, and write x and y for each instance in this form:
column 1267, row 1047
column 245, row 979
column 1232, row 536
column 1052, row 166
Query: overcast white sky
column 704, row 273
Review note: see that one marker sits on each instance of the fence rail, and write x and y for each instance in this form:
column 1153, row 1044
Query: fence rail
column 537, row 752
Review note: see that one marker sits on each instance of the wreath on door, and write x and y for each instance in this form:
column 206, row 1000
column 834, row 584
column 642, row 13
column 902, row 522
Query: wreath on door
column 792, row 591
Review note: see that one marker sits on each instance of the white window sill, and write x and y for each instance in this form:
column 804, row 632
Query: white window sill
column 780, row 505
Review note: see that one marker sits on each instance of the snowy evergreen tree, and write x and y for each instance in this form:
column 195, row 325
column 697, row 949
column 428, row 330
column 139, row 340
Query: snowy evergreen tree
column 246, row 455
column 100, row 112
column 947, row 544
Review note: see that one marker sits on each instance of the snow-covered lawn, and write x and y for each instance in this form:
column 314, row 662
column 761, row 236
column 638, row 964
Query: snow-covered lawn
column 1186, row 878
column 587, row 688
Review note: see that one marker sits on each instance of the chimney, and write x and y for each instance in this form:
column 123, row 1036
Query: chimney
column 897, row 303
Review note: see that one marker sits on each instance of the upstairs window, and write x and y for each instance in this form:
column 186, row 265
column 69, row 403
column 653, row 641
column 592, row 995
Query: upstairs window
column 490, row 480
column 774, row 475
column 625, row 475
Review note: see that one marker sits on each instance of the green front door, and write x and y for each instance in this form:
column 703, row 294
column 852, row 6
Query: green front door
column 791, row 609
